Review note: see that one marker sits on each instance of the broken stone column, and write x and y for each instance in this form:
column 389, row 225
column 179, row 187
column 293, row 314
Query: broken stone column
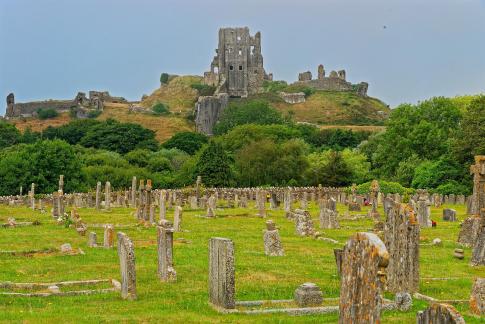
column 166, row 271
column 321, row 72
column 92, row 240
column 272, row 241
column 287, row 203
column 108, row 236
column 126, row 252
column 31, row 195
column 133, row 192
column 374, row 190
column 401, row 235
column 107, row 196
column 303, row 223
column 308, row 295
column 211, row 206
column 363, row 267
column 163, row 208
column 262, row 203
column 55, row 205
column 177, row 219
column 61, row 183
column 221, row 273
column 477, row 297
column 98, row 195
column 439, row 314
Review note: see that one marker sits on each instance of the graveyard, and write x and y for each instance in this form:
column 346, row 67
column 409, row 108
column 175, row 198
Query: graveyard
column 31, row 252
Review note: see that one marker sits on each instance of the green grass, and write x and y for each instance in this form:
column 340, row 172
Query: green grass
column 257, row 276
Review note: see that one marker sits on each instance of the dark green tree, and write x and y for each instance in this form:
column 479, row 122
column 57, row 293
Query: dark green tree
column 9, row 135
column 188, row 142
column 336, row 173
column 215, row 166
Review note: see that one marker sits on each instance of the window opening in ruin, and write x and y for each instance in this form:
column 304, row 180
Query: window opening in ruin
column 240, row 67
column 231, row 67
column 252, row 49
column 238, row 38
column 240, row 52
column 216, row 70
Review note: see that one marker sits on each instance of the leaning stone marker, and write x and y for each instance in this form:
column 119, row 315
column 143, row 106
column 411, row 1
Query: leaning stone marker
column 439, row 314
column 364, row 260
column 272, row 241
column 166, row 271
column 221, row 273
column 126, row 252
column 477, row 297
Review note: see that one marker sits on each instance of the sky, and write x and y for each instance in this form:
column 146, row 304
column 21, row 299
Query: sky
column 407, row 50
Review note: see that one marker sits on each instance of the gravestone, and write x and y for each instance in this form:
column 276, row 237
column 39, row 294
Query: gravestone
column 328, row 218
column 304, row 201
column 211, row 206
column 262, row 203
column 303, row 223
column 439, row 314
column 478, row 170
column 166, row 271
column 449, row 215
column 374, row 190
column 470, row 229
column 422, row 209
column 403, row 301
column 92, row 239
column 163, row 209
column 98, row 195
column 107, row 196
column 272, row 241
column 308, row 295
column 108, row 236
column 477, row 297
column 133, row 192
column 177, row 219
column 338, row 253
column 126, row 253
column 221, row 273
column 401, row 236
column 364, row 261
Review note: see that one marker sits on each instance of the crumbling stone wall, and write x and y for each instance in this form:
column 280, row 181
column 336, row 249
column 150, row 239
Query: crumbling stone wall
column 293, row 98
column 336, row 81
column 208, row 110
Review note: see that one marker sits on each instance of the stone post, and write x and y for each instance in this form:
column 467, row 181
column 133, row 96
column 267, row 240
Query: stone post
column 272, row 241
column 108, row 236
column 439, row 314
column 32, row 198
column 374, row 190
column 364, row 260
column 107, row 196
column 211, row 207
column 401, row 236
column 148, row 200
column 166, row 271
column 133, row 192
column 61, row 183
column 98, row 195
column 177, row 219
column 163, row 209
column 92, row 240
column 221, row 273
column 126, row 252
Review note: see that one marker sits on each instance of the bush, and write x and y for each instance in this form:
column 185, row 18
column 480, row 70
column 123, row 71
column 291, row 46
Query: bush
column 94, row 114
column 188, row 142
column 453, row 187
column 47, row 113
column 274, row 86
column 164, row 78
column 160, row 109
column 308, row 91
column 9, row 135
column 385, row 188
column 203, row 89
column 138, row 157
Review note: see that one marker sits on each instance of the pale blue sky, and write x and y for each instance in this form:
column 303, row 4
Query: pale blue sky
column 54, row 48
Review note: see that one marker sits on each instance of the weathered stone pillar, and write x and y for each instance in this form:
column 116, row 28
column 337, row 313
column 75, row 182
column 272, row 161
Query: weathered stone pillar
column 364, row 261
column 126, row 252
column 166, row 271
column 328, row 217
column 303, row 223
column 61, row 183
column 272, row 241
column 148, row 201
column 92, row 240
column 401, row 236
column 107, row 196
column 108, row 236
column 262, row 204
column 177, row 219
column 338, row 253
column 221, row 273
column 439, row 314
column 98, row 195
column 32, row 198
column 163, row 209
column 211, row 206
column 422, row 209
column 133, row 192
column 374, row 190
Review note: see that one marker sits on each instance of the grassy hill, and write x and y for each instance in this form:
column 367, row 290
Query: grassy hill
column 324, row 108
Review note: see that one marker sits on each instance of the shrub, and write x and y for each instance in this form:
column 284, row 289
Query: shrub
column 164, row 78
column 385, row 187
column 274, row 86
column 47, row 113
column 188, row 142
column 160, row 109
column 94, row 113
column 203, row 89
column 138, row 157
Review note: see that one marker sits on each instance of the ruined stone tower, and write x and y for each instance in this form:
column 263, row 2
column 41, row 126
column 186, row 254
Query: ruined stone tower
column 237, row 69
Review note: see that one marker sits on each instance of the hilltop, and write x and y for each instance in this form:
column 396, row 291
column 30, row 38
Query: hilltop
column 324, row 108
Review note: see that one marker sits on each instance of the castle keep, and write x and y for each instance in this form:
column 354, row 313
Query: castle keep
column 237, row 69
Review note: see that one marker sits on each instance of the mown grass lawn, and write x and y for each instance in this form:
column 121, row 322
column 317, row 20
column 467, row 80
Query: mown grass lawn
column 257, row 276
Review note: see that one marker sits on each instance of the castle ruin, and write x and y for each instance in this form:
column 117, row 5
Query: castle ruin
column 81, row 103
column 336, row 81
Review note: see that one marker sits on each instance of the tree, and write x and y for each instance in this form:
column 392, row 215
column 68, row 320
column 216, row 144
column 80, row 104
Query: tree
column 188, row 142
column 9, row 135
column 138, row 157
column 431, row 174
column 214, row 166
column 73, row 132
column 336, row 173
column 119, row 137
column 47, row 113
column 249, row 112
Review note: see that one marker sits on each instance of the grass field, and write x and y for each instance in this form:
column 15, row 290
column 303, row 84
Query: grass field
column 257, row 276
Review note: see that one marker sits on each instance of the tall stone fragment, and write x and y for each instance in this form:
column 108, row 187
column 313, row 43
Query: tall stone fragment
column 163, row 208
column 98, row 195
column 92, row 240
column 177, row 219
column 108, row 236
column 272, row 240
column 478, row 170
column 477, row 297
column 439, row 314
column 364, row 261
column 133, row 192
column 166, row 271
column 423, row 210
column 107, row 196
column 374, row 191
column 328, row 218
column 222, row 289
column 401, row 236
column 303, row 223
column 211, row 206
column 126, row 253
